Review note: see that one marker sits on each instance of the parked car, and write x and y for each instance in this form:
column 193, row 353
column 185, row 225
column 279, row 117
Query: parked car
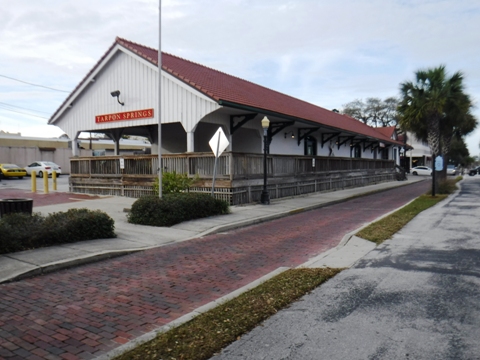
column 12, row 170
column 451, row 170
column 474, row 171
column 421, row 170
column 40, row 166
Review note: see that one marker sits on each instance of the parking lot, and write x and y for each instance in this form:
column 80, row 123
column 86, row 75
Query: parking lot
column 26, row 183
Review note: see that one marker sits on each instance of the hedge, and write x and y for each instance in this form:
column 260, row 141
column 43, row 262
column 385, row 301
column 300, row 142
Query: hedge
column 21, row 231
column 175, row 208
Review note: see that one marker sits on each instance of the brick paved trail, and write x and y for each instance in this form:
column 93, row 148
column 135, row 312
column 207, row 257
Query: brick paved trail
column 84, row 312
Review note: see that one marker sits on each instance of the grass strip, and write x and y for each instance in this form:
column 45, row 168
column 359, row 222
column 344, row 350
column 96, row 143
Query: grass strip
column 208, row 333
column 384, row 229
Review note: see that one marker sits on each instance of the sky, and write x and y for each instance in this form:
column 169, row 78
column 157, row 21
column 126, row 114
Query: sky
column 325, row 52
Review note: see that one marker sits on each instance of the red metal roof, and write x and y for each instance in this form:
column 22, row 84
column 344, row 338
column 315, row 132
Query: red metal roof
column 387, row 131
column 227, row 88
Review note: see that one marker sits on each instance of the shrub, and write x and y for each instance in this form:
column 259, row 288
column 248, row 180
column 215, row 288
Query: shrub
column 175, row 208
column 77, row 225
column 174, row 183
column 446, row 187
column 145, row 211
column 20, row 231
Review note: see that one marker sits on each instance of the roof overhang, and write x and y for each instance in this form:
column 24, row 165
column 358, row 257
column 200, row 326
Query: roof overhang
column 309, row 123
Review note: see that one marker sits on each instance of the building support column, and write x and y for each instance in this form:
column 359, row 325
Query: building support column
column 230, row 145
column 75, row 145
column 190, row 141
column 116, row 135
column 75, row 149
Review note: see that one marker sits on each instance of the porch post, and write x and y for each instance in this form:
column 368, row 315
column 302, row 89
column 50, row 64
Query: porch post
column 265, row 197
column 75, row 149
column 117, row 146
column 190, row 141
column 116, row 135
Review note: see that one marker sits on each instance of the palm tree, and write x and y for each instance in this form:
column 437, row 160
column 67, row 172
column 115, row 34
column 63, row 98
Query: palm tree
column 457, row 123
column 435, row 108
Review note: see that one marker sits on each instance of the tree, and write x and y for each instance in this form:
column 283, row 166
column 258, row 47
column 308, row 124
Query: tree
column 374, row 111
column 435, row 108
column 459, row 154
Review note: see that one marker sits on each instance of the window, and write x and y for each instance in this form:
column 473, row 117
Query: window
column 357, row 151
column 384, row 153
column 310, row 146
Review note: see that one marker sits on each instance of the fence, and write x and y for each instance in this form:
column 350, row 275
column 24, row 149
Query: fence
column 239, row 176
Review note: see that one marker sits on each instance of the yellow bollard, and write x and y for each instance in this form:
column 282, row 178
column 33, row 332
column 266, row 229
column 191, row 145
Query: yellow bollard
column 45, row 182
column 34, row 181
column 54, row 180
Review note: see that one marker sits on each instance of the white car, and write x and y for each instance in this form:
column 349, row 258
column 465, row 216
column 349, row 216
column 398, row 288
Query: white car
column 421, row 170
column 40, row 166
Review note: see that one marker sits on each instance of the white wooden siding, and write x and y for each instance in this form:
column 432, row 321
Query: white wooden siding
column 137, row 81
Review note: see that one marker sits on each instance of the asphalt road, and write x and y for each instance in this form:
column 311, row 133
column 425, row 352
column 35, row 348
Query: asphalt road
column 84, row 312
column 416, row 296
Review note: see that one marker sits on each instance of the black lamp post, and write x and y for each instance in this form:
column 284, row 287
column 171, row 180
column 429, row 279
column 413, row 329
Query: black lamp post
column 265, row 198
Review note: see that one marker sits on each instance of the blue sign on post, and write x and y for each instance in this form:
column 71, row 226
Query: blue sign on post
column 438, row 163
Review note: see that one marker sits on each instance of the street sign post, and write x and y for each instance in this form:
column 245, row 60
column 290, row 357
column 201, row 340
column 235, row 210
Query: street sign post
column 218, row 143
column 438, row 163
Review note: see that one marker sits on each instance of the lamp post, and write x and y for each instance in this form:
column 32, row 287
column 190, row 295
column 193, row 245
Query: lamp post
column 265, row 198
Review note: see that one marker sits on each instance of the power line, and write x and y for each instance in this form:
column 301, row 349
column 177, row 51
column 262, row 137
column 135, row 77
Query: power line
column 24, row 108
column 25, row 82
column 24, row 113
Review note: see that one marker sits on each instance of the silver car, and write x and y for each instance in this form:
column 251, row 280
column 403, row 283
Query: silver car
column 451, row 170
column 40, row 166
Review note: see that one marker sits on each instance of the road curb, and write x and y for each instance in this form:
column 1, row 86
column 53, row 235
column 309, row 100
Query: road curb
column 87, row 259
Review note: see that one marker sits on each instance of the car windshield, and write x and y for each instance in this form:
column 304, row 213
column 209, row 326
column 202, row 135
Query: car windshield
column 9, row 166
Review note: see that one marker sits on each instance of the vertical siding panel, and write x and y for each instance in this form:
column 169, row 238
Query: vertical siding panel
column 172, row 101
column 138, row 84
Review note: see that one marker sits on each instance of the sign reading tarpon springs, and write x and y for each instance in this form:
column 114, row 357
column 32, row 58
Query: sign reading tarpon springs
column 128, row 115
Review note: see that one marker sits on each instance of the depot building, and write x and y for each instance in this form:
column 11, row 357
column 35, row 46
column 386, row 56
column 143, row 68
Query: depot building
column 305, row 142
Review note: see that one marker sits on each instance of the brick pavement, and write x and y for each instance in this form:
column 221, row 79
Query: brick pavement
column 84, row 312
column 41, row 199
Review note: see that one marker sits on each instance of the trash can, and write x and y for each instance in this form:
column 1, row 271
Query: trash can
column 8, row 206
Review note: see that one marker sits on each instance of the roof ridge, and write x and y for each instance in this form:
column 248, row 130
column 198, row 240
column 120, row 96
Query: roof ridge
column 128, row 43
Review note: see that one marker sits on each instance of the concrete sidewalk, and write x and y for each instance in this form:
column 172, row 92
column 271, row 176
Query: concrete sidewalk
column 415, row 296
column 131, row 238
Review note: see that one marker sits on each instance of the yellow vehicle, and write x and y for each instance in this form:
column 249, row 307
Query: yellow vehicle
column 12, row 170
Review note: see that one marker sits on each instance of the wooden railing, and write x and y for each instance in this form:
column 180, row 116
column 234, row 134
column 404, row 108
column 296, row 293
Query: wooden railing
column 230, row 165
column 239, row 174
